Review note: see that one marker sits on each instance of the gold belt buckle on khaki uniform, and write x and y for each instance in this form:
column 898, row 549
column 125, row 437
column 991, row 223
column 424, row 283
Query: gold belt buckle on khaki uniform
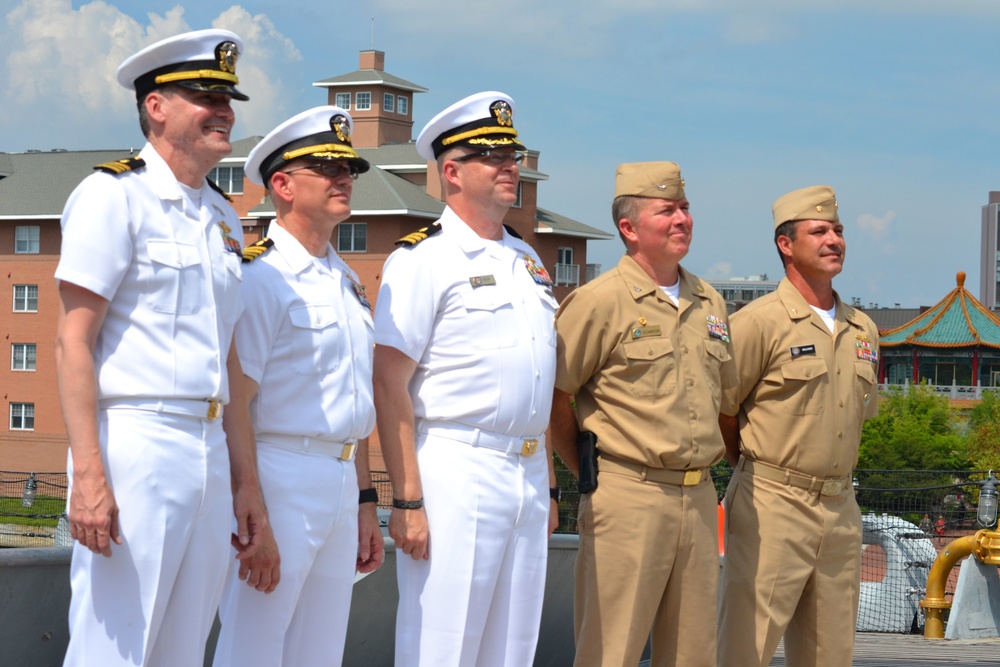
column 833, row 487
column 214, row 410
column 529, row 447
column 692, row 477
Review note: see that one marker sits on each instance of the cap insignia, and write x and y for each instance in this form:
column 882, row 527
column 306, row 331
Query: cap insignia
column 661, row 186
column 819, row 209
column 340, row 125
column 227, row 53
column 503, row 113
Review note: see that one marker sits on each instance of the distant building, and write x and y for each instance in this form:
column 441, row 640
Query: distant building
column 989, row 259
column 738, row 292
column 400, row 194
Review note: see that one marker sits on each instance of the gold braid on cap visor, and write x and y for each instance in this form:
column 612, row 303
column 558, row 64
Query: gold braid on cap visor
column 196, row 74
column 321, row 150
column 494, row 129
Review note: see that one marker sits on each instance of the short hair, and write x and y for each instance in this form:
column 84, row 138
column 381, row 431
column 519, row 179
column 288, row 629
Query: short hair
column 625, row 206
column 787, row 228
column 167, row 90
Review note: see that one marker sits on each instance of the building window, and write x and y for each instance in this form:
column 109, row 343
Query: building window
column 567, row 273
column 26, row 240
column 25, row 298
column 22, row 357
column 22, row 416
column 363, row 101
column 388, row 102
column 230, row 179
column 402, row 105
column 343, row 100
column 517, row 202
column 352, row 237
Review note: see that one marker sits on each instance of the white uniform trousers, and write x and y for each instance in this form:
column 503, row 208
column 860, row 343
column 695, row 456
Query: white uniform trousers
column 478, row 599
column 153, row 601
column 312, row 506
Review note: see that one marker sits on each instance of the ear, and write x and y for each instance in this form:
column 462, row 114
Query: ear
column 627, row 230
column 449, row 172
column 154, row 106
column 784, row 245
column 280, row 186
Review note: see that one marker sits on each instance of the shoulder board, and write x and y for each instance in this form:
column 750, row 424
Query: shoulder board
column 215, row 186
column 252, row 252
column 419, row 235
column 121, row 166
column 512, row 232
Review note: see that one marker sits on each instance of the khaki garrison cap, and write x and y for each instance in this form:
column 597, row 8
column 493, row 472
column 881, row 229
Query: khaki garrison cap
column 817, row 202
column 661, row 180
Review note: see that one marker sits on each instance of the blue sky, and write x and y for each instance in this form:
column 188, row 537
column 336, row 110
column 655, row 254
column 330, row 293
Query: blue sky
column 898, row 109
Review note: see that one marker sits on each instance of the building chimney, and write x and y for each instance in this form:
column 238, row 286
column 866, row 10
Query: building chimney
column 372, row 60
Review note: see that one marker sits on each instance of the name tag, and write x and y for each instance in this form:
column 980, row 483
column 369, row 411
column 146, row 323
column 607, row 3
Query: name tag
column 639, row 332
column 800, row 350
column 482, row 281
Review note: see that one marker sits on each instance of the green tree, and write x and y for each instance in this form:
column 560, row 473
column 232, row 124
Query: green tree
column 984, row 437
column 914, row 431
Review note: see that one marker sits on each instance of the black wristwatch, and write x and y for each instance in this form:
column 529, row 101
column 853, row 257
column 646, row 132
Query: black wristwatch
column 407, row 504
column 555, row 493
column 368, row 496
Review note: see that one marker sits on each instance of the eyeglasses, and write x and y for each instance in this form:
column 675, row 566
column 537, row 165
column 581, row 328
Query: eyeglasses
column 495, row 158
column 331, row 170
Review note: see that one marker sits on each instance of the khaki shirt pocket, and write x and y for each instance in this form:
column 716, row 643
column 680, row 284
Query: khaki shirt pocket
column 716, row 354
column 867, row 389
column 805, row 383
column 650, row 366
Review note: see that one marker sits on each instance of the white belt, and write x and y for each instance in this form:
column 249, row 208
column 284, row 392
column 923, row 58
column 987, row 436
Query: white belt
column 514, row 445
column 208, row 409
column 344, row 451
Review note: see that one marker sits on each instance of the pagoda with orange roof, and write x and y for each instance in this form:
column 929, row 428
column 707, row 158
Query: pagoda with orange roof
column 955, row 343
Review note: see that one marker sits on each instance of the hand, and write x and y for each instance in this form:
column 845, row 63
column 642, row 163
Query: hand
column 408, row 528
column 251, row 519
column 262, row 568
column 371, row 544
column 93, row 514
column 553, row 516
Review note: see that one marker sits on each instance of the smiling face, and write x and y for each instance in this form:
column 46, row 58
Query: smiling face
column 818, row 249
column 660, row 233
column 197, row 123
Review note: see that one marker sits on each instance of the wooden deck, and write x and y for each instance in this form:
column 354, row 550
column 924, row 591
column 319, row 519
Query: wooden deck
column 883, row 650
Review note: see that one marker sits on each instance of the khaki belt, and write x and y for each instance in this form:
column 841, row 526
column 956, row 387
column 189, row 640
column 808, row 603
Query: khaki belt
column 512, row 445
column 344, row 451
column 208, row 409
column 824, row 486
column 607, row 463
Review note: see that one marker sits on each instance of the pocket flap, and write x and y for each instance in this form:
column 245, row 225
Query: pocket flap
column 485, row 298
column 172, row 253
column 313, row 316
column 865, row 370
column 645, row 349
column 803, row 369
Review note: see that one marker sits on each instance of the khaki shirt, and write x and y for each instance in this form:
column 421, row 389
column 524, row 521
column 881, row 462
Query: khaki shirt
column 649, row 377
column 804, row 393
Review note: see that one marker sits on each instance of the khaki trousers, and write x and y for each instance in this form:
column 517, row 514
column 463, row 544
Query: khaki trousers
column 792, row 568
column 648, row 561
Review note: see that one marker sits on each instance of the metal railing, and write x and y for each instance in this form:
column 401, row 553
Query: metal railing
column 568, row 274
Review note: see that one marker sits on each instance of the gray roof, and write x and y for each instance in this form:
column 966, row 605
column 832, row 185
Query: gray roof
column 566, row 226
column 379, row 192
column 40, row 183
column 374, row 77
column 892, row 318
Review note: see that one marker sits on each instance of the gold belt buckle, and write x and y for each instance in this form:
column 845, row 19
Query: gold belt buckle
column 348, row 452
column 692, row 477
column 832, row 487
column 529, row 447
column 214, row 410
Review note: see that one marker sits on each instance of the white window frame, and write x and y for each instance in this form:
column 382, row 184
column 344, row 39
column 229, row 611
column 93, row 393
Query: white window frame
column 339, row 101
column 22, row 410
column 388, row 102
column 25, row 300
column 517, row 202
column 402, row 105
column 362, row 101
column 27, row 239
column 26, row 360
column 228, row 177
column 354, row 227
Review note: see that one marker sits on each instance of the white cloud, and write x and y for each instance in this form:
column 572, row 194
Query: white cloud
column 875, row 226
column 719, row 271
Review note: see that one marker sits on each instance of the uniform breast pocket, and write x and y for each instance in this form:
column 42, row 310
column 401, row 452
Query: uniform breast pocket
column 491, row 321
column 229, row 307
column 650, row 366
column 866, row 389
column 548, row 324
column 317, row 339
column 716, row 354
column 175, row 281
column 804, row 381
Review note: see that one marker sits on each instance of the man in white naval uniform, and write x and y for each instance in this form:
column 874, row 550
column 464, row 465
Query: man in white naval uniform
column 149, row 280
column 305, row 342
column 464, row 356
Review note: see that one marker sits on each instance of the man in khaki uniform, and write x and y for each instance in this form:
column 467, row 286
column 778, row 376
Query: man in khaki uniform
column 806, row 383
column 645, row 351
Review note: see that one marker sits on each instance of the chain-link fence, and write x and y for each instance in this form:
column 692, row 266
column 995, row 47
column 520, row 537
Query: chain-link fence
column 908, row 517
